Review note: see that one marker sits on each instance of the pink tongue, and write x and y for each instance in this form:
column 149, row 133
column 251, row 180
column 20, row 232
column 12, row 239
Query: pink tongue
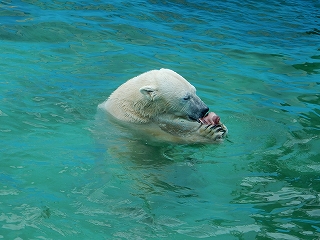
column 210, row 118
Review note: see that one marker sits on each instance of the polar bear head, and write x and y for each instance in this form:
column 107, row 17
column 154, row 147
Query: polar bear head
column 170, row 93
column 144, row 98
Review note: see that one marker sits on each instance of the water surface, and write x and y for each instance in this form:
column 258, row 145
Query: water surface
column 63, row 176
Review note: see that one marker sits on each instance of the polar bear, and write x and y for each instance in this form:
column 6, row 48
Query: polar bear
column 162, row 104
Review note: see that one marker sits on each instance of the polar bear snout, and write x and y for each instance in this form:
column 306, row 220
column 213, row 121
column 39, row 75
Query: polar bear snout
column 204, row 112
column 198, row 113
column 197, row 108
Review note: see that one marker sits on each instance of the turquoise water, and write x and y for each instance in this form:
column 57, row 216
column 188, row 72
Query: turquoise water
column 65, row 175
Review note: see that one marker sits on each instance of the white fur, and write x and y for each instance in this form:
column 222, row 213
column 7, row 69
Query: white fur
column 157, row 102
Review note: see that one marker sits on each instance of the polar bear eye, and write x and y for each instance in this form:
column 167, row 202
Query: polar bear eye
column 187, row 98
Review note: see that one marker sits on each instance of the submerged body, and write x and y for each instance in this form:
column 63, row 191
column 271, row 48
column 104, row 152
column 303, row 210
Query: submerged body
column 164, row 105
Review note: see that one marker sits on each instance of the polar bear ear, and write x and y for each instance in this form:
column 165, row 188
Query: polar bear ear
column 149, row 92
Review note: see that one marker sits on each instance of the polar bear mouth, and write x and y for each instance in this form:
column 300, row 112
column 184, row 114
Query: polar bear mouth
column 193, row 119
column 198, row 118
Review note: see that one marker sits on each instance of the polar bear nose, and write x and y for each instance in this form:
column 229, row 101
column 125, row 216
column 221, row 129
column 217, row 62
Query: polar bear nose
column 204, row 112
